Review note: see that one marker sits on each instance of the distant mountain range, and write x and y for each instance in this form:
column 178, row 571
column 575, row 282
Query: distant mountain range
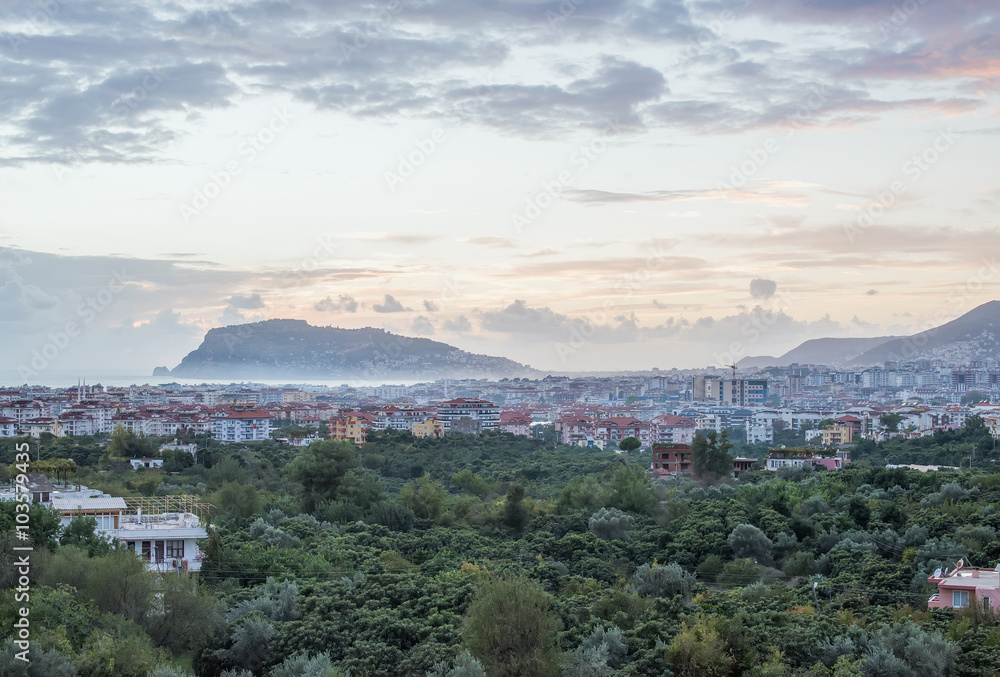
column 973, row 336
column 294, row 348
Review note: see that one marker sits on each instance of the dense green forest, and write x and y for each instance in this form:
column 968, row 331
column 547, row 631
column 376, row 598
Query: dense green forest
column 499, row 555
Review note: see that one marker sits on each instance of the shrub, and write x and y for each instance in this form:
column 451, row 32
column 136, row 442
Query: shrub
column 611, row 524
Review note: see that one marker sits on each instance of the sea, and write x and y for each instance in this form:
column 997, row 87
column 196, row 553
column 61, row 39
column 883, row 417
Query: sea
column 55, row 378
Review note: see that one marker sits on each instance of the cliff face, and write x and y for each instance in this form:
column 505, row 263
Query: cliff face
column 294, row 348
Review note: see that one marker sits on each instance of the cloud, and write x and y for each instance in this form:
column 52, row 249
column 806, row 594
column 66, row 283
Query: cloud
column 126, row 84
column 762, row 289
column 422, row 326
column 492, row 242
column 21, row 301
column 390, row 305
column 769, row 194
column 344, row 303
column 872, row 292
column 431, row 306
column 236, row 304
column 458, row 325
column 245, row 301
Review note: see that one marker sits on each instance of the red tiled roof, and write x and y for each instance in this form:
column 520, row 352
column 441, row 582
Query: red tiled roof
column 230, row 414
column 673, row 421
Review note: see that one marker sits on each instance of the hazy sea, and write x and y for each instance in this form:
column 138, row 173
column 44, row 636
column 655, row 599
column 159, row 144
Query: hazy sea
column 56, row 378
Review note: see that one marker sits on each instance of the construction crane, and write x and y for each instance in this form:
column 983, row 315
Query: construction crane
column 733, row 367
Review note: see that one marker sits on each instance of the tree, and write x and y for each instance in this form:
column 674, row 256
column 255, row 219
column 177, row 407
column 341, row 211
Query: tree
column 657, row 580
column 464, row 666
column 185, row 614
column 599, row 654
column 125, row 444
column 610, row 524
column 579, row 493
column 251, row 645
column 699, row 651
column 320, row 468
column 514, row 515
column 119, row 583
column 239, row 500
column 710, row 457
column 82, row 532
column 631, row 490
column 512, row 628
column 466, row 480
column 746, row 540
column 425, row 497
column 890, row 421
column 629, row 444
column 974, row 397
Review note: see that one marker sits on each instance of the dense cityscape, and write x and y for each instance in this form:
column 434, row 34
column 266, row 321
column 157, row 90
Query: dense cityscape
column 897, row 400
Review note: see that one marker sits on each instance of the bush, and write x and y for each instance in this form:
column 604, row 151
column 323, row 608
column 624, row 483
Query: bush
column 662, row 581
column 512, row 628
column 799, row 564
column 464, row 666
column 740, row 572
column 747, row 540
column 392, row 515
column 710, row 568
column 598, row 655
column 611, row 524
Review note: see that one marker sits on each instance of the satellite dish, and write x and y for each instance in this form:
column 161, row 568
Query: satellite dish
column 937, row 572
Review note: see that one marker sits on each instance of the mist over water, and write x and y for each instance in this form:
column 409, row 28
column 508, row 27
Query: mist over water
column 64, row 378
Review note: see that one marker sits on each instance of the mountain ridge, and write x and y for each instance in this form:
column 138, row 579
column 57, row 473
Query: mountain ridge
column 973, row 335
column 295, row 348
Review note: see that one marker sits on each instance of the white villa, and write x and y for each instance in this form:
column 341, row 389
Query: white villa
column 164, row 531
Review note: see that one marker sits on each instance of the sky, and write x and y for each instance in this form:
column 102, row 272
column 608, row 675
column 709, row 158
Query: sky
column 575, row 184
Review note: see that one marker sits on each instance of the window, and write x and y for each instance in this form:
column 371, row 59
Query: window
column 960, row 599
column 175, row 549
column 986, row 603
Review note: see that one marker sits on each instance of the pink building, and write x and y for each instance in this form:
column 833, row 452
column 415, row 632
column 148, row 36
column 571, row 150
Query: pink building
column 616, row 428
column 965, row 586
column 516, row 423
column 669, row 429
